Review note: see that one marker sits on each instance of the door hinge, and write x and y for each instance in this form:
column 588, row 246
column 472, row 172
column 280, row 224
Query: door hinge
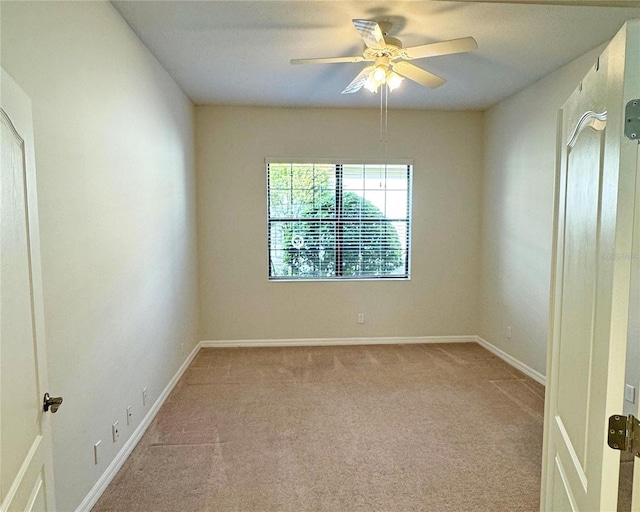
column 624, row 434
column 632, row 120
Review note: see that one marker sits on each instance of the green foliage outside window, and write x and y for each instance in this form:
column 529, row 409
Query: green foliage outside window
column 369, row 247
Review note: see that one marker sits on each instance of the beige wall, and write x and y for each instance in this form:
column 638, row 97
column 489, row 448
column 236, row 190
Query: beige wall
column 238, row 301
column 116, row 187
column 517, row 213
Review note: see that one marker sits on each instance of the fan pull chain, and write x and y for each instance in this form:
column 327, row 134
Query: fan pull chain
column 381, row 93
column 386, row 116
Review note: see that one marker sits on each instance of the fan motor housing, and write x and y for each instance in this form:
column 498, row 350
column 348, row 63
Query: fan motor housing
column 392, row 49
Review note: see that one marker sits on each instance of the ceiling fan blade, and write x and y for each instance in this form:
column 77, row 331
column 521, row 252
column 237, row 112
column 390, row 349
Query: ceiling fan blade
column 465, row 44
column 370, row 32
column 418, row 75
column 357, row 83
column 328, row 60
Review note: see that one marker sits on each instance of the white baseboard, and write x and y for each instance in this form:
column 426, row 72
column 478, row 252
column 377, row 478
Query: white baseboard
column 310, row 342
column 307, row 342
column 527, row 370
column 113, row 468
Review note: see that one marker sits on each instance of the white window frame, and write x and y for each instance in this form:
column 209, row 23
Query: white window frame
column 343, row 161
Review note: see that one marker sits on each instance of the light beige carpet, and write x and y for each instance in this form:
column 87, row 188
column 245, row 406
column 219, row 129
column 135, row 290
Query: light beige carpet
column 368, row 428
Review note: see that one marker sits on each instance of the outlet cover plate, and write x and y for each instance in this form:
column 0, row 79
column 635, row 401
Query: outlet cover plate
column 630, row 393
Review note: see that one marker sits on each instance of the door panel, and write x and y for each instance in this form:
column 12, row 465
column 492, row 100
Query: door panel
column 20, row 425
column 26, row 476
column 591, row 282
column 37, row 500
column 584, row 173
column 635, row 305
column 562, row 497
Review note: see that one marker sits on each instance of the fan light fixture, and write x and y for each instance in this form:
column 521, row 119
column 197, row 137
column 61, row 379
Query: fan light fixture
column 393, row 81
column 380, row 75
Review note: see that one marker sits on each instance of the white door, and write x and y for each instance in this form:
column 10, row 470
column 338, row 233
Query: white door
column 635, row 310
column 591, row 283
column 26, row 473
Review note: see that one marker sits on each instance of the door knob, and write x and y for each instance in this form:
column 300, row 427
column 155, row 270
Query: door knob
column 51, row 402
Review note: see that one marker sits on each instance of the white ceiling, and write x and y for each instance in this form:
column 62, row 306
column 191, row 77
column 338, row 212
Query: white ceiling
column 237, row 52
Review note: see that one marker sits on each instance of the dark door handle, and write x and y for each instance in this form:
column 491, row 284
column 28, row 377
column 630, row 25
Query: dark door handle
column 52, row 403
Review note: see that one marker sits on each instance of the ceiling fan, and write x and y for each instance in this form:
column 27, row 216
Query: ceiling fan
column 389, row 58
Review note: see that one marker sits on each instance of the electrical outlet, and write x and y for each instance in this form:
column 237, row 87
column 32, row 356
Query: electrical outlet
column 509, row 332
column 145, row 396
column 96, row 452
column 630, row 393
column 360, row 318
column 115, row 431
column 129, row 414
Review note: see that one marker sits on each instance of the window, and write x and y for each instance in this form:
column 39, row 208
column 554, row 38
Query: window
column 338, row 220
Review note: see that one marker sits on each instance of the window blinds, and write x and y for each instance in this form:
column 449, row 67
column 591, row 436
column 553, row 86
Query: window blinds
column 338, row 221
